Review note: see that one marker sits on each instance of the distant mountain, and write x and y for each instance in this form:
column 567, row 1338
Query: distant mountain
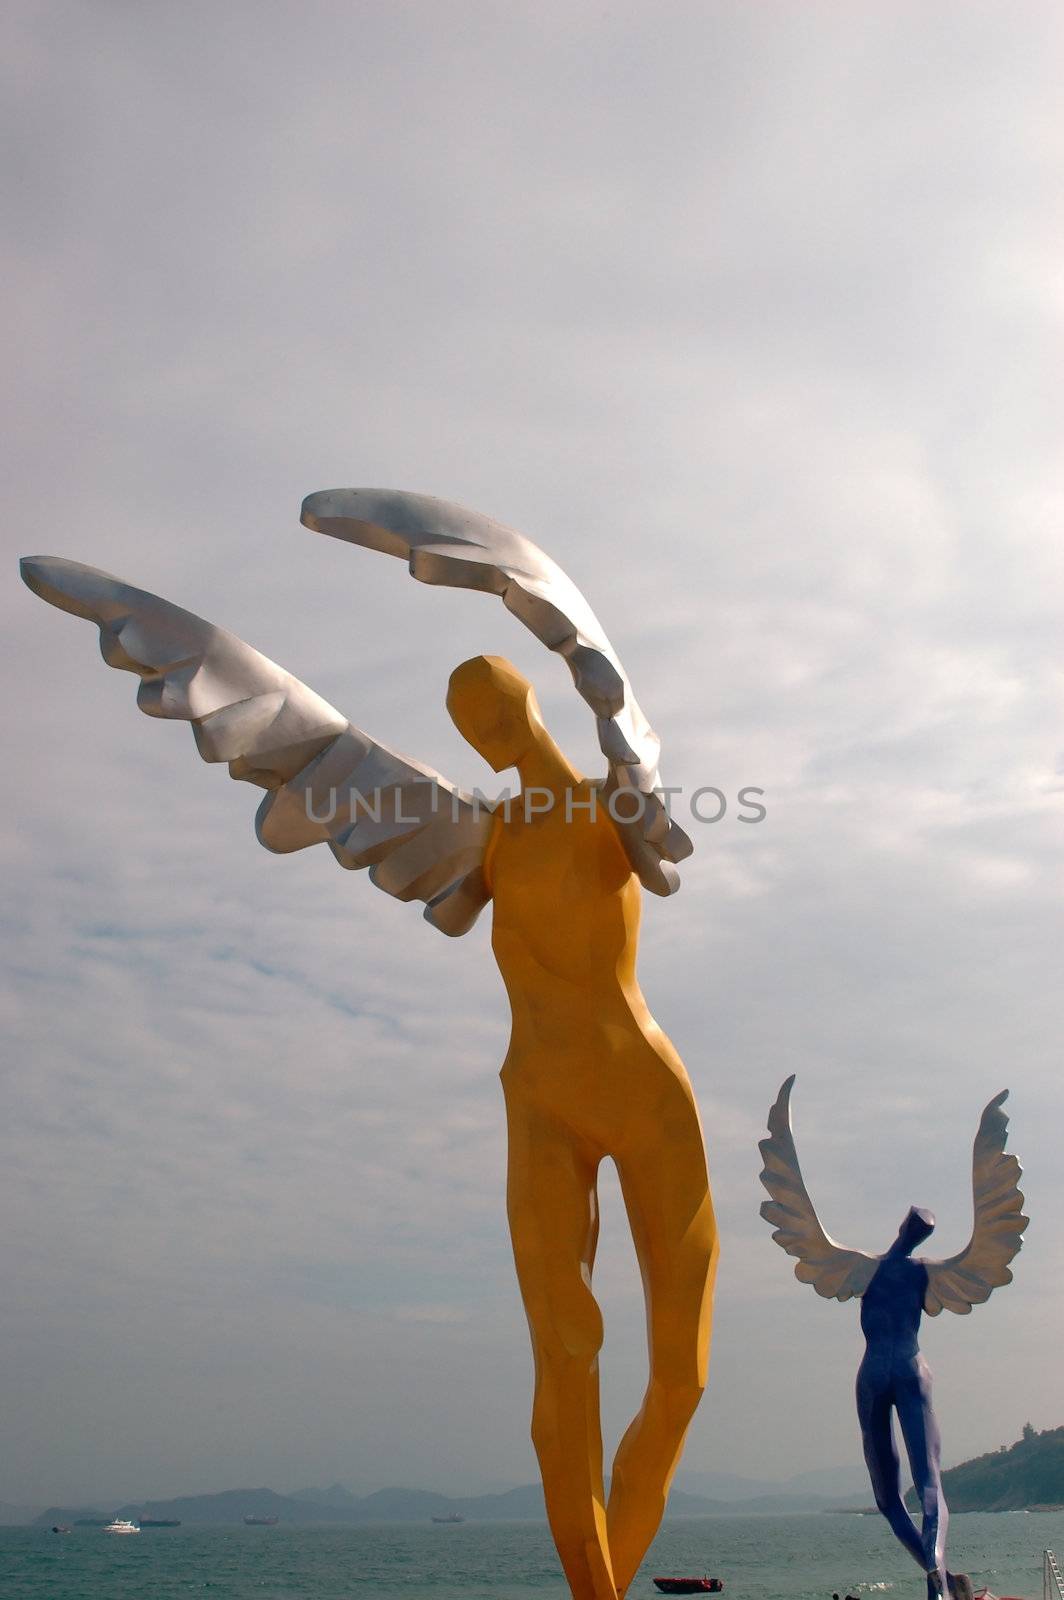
column 338, row 1504
column 232, row 1505
column 1014, row 1478
column 721, row 1485
column 832, row 1481
column 418, row 1505
column 68, row 1515
column 335, row 1495
column 526, row 1504
column 405, row 1505
column 837, row 1484
column 797, row 1504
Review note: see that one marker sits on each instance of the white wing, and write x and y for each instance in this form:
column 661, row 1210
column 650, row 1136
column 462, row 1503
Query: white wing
column 446, row 544
column 965, row 1280
column 328, row 782
column 834, row 1271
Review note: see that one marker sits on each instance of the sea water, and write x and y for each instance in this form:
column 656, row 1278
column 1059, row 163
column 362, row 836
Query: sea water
column 759, row 1558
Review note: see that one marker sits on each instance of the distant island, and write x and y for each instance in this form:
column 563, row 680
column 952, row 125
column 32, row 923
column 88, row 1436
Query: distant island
column 1026, row 1476
column 339, row 1505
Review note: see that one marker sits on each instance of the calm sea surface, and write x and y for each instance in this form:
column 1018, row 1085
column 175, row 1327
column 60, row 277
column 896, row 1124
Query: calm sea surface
column 759, row 1558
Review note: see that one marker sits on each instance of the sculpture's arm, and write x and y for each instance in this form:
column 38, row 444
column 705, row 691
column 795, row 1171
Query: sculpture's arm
column 834, row 1271
column 327, row 781
column 446, row 544
column 970, row 1277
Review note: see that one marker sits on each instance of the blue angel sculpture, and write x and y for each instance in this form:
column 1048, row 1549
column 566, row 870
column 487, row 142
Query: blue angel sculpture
column 895, row 1289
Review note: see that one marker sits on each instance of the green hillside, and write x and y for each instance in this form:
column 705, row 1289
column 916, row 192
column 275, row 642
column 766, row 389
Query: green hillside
column 1028, row 1473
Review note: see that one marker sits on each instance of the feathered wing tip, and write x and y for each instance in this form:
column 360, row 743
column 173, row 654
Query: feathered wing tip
column 834, row 1271
column 969, row 1278
column 327, row 782
column 449, row 545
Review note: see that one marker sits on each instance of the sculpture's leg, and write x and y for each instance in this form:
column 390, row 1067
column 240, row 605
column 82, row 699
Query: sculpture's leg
column 666, row 1192
column 923, row 1446
column 874, row 1407
column 552, row 1203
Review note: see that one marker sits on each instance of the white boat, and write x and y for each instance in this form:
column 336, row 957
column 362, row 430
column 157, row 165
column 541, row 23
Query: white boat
column 119, row 1526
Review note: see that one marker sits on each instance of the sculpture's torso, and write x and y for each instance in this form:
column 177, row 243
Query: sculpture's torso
column 566, row 909
column 891, row 1308
column 565, row 933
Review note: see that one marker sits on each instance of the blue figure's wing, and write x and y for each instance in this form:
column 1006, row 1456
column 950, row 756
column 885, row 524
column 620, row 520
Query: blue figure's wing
column 834, row 1271
column 965, row 1280
column 327, row 781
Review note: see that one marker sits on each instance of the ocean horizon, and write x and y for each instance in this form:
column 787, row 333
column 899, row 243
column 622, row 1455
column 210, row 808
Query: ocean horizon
column 796, row 1557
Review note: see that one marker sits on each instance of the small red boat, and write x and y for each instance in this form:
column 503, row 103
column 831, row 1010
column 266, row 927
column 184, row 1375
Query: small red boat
column 689, row 1585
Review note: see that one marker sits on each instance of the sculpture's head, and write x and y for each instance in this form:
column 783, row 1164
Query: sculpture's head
column 494, row 708
column 917, row 1225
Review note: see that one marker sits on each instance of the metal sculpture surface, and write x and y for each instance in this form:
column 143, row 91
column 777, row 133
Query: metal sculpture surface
column 588, row 1073
column 894, row 1290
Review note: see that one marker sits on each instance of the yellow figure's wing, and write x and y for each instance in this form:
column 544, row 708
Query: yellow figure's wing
column 449, row 545
column 327, row 781
column 969, row 1278
column 835, row 1272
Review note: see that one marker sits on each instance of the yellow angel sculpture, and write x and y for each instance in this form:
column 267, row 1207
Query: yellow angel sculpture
column 588, row 1072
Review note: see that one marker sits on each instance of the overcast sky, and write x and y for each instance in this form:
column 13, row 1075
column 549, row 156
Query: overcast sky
column 750, row 315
